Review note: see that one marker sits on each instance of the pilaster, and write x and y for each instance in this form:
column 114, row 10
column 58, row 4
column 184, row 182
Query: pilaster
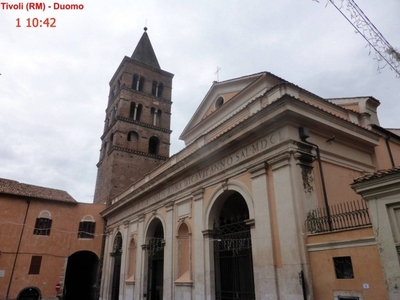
column 168, row 252
column 261, row 237
column 288, row 230
column 105, row 277
column 140, row 260
column 124, row 259
column 198, row 246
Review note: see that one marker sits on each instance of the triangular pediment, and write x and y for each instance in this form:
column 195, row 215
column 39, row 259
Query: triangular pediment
column 224, row 99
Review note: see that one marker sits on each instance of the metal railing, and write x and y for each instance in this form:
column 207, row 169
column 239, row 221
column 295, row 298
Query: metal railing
column 342, row 216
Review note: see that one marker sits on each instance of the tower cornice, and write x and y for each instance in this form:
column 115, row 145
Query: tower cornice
column 131, row 121
column 128, row 59
column 122, row 149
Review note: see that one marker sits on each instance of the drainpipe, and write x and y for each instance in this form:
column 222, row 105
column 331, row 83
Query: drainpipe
column 389, row 150
column 304, row 135
column 19, row 244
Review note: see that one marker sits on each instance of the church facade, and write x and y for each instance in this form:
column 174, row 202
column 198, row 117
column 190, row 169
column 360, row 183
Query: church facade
column 249, row 209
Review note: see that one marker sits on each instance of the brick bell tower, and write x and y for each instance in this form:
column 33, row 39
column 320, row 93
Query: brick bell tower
column 136, row 135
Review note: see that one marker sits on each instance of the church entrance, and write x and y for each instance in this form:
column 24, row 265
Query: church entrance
column 234, row 278
column 155, row 249
column 117, row 252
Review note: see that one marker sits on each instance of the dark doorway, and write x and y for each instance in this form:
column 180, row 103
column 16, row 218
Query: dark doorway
column 156, row 264
column 29, row 293
column 117, row 251
column 81, row 276
column 234, row 278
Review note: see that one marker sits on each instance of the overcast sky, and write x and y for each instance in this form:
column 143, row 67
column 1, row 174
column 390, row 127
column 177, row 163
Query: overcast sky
column 54, row 82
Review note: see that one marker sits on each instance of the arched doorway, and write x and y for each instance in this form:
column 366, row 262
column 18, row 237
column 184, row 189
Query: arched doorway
column 233, row 261
column 116, row 275
column 155, row 257
column 30, row 293
column 81, row 276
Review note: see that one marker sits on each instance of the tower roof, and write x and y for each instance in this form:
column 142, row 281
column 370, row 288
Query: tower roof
column 144, row 52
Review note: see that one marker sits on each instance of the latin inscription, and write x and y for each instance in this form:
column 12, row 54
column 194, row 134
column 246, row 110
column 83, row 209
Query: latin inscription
column 221, row 165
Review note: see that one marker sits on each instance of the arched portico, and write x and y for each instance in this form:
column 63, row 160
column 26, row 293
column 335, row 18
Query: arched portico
column 219, row 196
column 229, row 237
column 153, row 282
column 116, row 266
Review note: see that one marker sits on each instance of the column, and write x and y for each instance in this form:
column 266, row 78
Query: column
column 155, row 117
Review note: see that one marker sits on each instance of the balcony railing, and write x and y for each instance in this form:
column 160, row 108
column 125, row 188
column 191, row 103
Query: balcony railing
column 342, row 216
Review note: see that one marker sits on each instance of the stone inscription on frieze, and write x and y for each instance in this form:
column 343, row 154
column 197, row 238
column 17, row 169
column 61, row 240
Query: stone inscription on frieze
column 229, row 161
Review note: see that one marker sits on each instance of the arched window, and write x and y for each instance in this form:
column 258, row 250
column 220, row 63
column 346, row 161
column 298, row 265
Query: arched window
column 138, row 112
column 132, row 136
column 111, row 140
column 43, row 223
column 154, row 88
column 138, row 82
column 156, row 116
column 135, row 82
column 157, row 88
column 135, row 111
column 132, row 261
column 183, row 253
column 116, row 270
column 87, row 227
column 132, row 110
column 160, row 89
column 154, row 144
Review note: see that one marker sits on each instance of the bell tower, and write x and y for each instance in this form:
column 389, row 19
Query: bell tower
column 136, row 136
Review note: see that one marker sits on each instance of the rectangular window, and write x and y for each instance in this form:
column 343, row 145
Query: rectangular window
column 36, row 262
column 86, row 230
column 42, row 226
column 343, row 267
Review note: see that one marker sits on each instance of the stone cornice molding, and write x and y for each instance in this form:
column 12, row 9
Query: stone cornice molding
column 279, row 161
column 198, row 195
column 250, row 222
column 378, row 187
column 208, row 233
column 169, row 206
column 258, row 170
column 369, row 241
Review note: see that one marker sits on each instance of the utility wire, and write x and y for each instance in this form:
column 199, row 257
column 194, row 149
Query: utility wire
column 375, row 39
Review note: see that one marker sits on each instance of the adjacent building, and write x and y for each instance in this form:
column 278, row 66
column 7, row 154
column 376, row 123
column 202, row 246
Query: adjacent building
column 259, row 203
column 50, row 245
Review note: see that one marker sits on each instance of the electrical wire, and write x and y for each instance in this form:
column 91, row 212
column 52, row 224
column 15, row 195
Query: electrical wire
column 375, row 39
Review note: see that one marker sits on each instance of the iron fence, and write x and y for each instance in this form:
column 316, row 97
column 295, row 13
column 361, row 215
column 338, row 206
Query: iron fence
column 342, row 216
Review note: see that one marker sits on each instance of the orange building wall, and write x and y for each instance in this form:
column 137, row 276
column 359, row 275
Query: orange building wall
column 337, row 182
column 365, row 261
column 54, row 249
